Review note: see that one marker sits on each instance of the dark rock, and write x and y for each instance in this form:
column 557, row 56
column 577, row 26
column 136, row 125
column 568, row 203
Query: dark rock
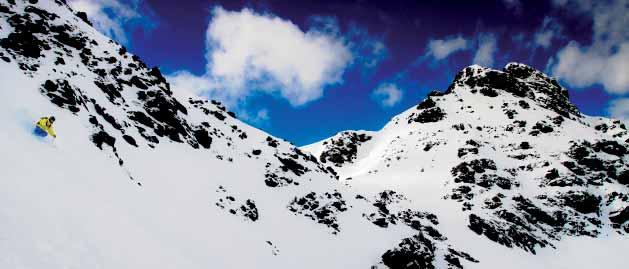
column 130, row 140
column 543, row 127
column 101, row 138
column 416, row 252
column 504, row 233
column 552, row 174
column 488, row 92
column 155, row 72
column 25, row 44
column 535, row 214
column 5, row 9
column 434, row 114
column 272, row 142
column 112, row 91
column 465, row 171
column 292, row 165
column 523, row 104
column 203, row 138
column 62, row 94
column 83, row 16
column 322, row 208
column 611, row 147
column 593, row 164
column 138, row 82
column 426, row 104
column 623, row 178
column 141, row 118
column 465, row 151
column 110, row 119
column 620, row 217
column 62, row 36
column 582, row 202
column 343, row 148
column 381, row 222
column 273, row 180
column 250, row 210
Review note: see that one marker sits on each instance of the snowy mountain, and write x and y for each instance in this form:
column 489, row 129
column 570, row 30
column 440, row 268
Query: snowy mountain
column 527, row 170
column 496, row 172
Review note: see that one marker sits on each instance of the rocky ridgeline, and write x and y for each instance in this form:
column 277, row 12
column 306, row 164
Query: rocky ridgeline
column 515, row 189
column 128, row 105
column 580, row 188
column 134, row 103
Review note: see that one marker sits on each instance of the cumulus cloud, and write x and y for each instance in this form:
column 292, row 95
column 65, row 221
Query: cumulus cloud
column 387, row 94
column 606, row 60
column 582, row 67
column 549, row 30
column 442, row 48
column 186, row 82
column 109, row 16
column 249, row 52
column 486, row 49
column 619, row 109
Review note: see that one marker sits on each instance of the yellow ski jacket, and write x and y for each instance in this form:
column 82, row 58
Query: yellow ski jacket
column 45, row 124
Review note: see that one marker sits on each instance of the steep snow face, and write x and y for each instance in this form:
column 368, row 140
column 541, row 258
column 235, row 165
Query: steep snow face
column 144, row 177
column 504, row 155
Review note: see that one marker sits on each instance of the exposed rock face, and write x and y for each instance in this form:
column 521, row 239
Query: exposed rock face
column 343, row 147
column 527, row 168
column 519, row 80
column 129, row 113
column 506, row 147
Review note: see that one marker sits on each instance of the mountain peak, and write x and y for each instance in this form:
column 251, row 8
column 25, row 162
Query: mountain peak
column 141, row 171
column 519, row 80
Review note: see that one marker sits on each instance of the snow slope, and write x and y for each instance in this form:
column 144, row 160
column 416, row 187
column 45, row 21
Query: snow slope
column 143, row 177
column 516, row 174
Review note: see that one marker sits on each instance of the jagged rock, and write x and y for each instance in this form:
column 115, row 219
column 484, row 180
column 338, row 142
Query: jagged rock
column 343, row 148
column 322, row 208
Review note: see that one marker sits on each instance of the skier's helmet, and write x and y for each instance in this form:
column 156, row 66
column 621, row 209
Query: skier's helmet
column 51, row 119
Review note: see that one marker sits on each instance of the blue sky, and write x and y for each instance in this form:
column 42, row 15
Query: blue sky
column 306, row 71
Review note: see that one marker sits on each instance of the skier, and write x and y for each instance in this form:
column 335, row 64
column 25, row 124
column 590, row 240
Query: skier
column 43, row 127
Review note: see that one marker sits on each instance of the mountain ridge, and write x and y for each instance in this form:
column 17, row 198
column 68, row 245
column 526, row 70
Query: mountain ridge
column 140, row 171
column 140, row 168
column 512, row 115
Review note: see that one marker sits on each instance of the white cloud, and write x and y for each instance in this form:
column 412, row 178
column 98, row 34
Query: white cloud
column 261, row 117
column 249, row 52
column 582, row 67
column 619, row 109
column 442, row 48
column 549, row 30
column 184, row 81
column 486, row 49
column 387, row 94
column 606, row 60
column 109, row 16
